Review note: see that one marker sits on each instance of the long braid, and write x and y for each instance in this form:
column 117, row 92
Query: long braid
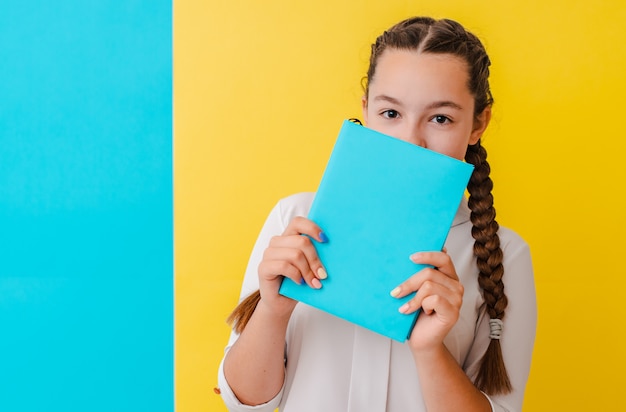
column 492, row 376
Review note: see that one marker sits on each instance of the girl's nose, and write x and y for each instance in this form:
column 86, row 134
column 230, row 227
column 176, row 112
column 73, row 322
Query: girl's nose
column 413, row 134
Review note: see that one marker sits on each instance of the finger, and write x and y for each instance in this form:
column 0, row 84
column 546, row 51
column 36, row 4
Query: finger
column 453, row 295
column 271, row 269
column 294, row 256
column 305, row 259
column 308, row 267
column 440, row 260
column 427, row 276
column 446, row 312
column 302, row 226
column 432, row 291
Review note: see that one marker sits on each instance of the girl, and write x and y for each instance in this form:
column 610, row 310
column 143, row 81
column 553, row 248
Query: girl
column 471, row 347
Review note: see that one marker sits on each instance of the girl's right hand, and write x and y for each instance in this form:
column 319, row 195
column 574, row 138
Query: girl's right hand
column 292, row 256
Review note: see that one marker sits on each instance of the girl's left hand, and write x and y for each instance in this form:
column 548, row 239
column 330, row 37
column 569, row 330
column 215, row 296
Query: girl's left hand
column 439, row 295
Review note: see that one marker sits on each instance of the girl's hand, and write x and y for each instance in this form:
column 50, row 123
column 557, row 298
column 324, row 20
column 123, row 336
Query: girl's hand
column 439, row 295
column 292, row 256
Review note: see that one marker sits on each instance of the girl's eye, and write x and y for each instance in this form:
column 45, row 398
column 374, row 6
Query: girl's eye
column 441, row 119
column 390, row 114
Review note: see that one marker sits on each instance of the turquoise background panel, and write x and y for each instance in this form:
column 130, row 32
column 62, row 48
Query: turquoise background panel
column 86, row 209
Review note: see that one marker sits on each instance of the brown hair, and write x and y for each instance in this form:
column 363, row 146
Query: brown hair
column 240, row 316
column 427, row 35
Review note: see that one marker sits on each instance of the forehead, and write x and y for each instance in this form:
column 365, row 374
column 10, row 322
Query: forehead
column 410, row 73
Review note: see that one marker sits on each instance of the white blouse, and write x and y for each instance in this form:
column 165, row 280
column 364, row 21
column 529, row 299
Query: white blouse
column 332, row 365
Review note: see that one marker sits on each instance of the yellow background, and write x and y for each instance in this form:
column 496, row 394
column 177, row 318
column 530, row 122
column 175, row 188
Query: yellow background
column 261, row 88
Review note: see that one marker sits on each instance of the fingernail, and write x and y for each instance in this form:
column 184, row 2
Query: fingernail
column 415, row 257
column 321, row 273
column 404, row 308
column 316, row 283
column 323, row 237
column 395, row 292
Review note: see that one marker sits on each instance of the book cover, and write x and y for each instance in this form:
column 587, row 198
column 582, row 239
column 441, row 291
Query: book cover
column 380, row 200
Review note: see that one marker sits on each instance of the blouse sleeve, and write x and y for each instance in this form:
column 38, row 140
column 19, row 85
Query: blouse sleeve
column 279, row 217
column 520, row 323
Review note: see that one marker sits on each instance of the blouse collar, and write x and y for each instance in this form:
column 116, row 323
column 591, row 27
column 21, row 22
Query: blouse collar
column 462, row 213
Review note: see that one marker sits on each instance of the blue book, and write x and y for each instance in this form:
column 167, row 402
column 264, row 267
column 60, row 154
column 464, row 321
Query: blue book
column 380, row 200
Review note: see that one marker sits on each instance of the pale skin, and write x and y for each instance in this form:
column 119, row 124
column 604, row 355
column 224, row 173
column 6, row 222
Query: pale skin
column 423, row 99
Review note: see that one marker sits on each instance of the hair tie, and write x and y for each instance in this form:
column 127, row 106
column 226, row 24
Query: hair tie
column 495, row 328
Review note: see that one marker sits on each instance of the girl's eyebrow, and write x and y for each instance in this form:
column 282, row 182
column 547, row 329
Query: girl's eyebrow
column 389, row 99
column 444, row 103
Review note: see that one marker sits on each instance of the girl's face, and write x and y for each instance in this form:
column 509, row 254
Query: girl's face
column 423, row 98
